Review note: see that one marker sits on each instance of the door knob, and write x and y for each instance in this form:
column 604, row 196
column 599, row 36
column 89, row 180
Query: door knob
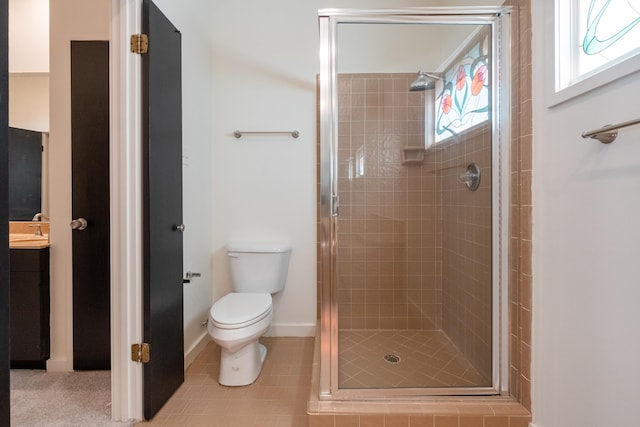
column 179, row 228
column 78, row 224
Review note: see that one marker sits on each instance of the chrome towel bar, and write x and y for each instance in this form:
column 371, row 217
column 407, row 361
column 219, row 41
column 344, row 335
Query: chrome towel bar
column 607, row 134
column 293, row 133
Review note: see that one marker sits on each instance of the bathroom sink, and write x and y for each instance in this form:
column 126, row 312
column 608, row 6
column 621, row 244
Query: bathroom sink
column 22, row 234
column 28, row 241
column 27, row 238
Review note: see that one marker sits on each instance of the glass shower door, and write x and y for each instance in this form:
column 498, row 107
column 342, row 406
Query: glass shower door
column 413, row 237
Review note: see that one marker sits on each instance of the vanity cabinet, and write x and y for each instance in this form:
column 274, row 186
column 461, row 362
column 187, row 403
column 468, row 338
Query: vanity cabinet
column 29, row 287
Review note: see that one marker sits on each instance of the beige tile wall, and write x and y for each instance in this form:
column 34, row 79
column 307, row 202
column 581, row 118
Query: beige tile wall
column 520, row 250
column 389, row 234
column 476, row 417
column 414, row 244
column 466, row 247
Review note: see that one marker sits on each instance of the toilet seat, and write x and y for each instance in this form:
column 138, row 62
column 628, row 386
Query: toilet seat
column 238, row 310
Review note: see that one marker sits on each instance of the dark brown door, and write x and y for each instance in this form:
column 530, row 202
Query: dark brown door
column 4, row 216
column 90, row 200
column 162, row 209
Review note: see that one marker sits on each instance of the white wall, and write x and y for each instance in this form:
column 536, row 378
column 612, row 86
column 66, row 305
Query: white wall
column 65, row 26
column 29, row 36
column 29, row 72
column 586, row 333
column 398, row 48
column 265, row 61
column 29, row 101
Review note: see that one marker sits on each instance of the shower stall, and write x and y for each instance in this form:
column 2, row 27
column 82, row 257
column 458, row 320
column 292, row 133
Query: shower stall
column 414, row 137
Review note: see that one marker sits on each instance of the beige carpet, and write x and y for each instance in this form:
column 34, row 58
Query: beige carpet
column 61, row 399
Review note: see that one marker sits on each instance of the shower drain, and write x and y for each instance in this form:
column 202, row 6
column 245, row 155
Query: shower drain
column 392, row 358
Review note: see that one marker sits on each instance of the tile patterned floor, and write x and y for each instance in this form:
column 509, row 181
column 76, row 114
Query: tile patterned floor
column 278, row 398
column 427, row 359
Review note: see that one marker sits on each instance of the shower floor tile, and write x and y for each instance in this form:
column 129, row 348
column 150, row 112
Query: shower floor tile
column 427, row 359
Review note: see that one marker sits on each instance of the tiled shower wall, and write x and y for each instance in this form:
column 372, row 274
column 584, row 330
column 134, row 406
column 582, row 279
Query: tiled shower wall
column 466, row 247
column 414, row 244
column 521, row 209
column 389, row 234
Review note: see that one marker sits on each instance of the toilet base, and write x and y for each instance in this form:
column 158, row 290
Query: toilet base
column 243, row 366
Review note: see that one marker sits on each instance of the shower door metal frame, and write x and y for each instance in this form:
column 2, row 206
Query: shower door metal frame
column 498, row 18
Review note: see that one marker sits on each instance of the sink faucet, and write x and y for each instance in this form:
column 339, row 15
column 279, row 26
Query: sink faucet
column 38, row 229
column 40, row 217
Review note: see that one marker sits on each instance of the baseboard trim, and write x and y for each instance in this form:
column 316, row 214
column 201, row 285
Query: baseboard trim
column 58, row 365
column 291, row 330
column 193, row 352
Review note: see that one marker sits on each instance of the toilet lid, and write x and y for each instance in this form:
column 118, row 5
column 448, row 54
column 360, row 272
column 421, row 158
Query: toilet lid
column 236, row 310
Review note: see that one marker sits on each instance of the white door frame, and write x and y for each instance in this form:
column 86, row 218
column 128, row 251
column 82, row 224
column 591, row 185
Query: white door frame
column 126, row 211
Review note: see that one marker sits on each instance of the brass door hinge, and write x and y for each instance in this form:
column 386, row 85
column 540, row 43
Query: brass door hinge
column 140, row 352
column 139, row 43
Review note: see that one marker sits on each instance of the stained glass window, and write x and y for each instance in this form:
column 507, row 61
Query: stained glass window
column 462, row 99
column 592, row 35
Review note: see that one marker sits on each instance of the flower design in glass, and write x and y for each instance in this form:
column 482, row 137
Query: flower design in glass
column 463, row 94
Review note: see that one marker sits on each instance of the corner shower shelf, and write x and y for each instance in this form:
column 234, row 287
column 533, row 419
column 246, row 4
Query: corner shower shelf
column 412, row 155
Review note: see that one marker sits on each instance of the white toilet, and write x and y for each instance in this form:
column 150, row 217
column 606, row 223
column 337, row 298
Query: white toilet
column 238, row 319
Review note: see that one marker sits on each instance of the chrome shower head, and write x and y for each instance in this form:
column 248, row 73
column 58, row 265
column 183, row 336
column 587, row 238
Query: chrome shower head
column 425, row 81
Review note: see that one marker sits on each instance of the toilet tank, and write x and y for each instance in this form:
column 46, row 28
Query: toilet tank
column 258, row 267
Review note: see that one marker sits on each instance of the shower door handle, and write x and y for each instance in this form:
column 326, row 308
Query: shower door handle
column 335, row 205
